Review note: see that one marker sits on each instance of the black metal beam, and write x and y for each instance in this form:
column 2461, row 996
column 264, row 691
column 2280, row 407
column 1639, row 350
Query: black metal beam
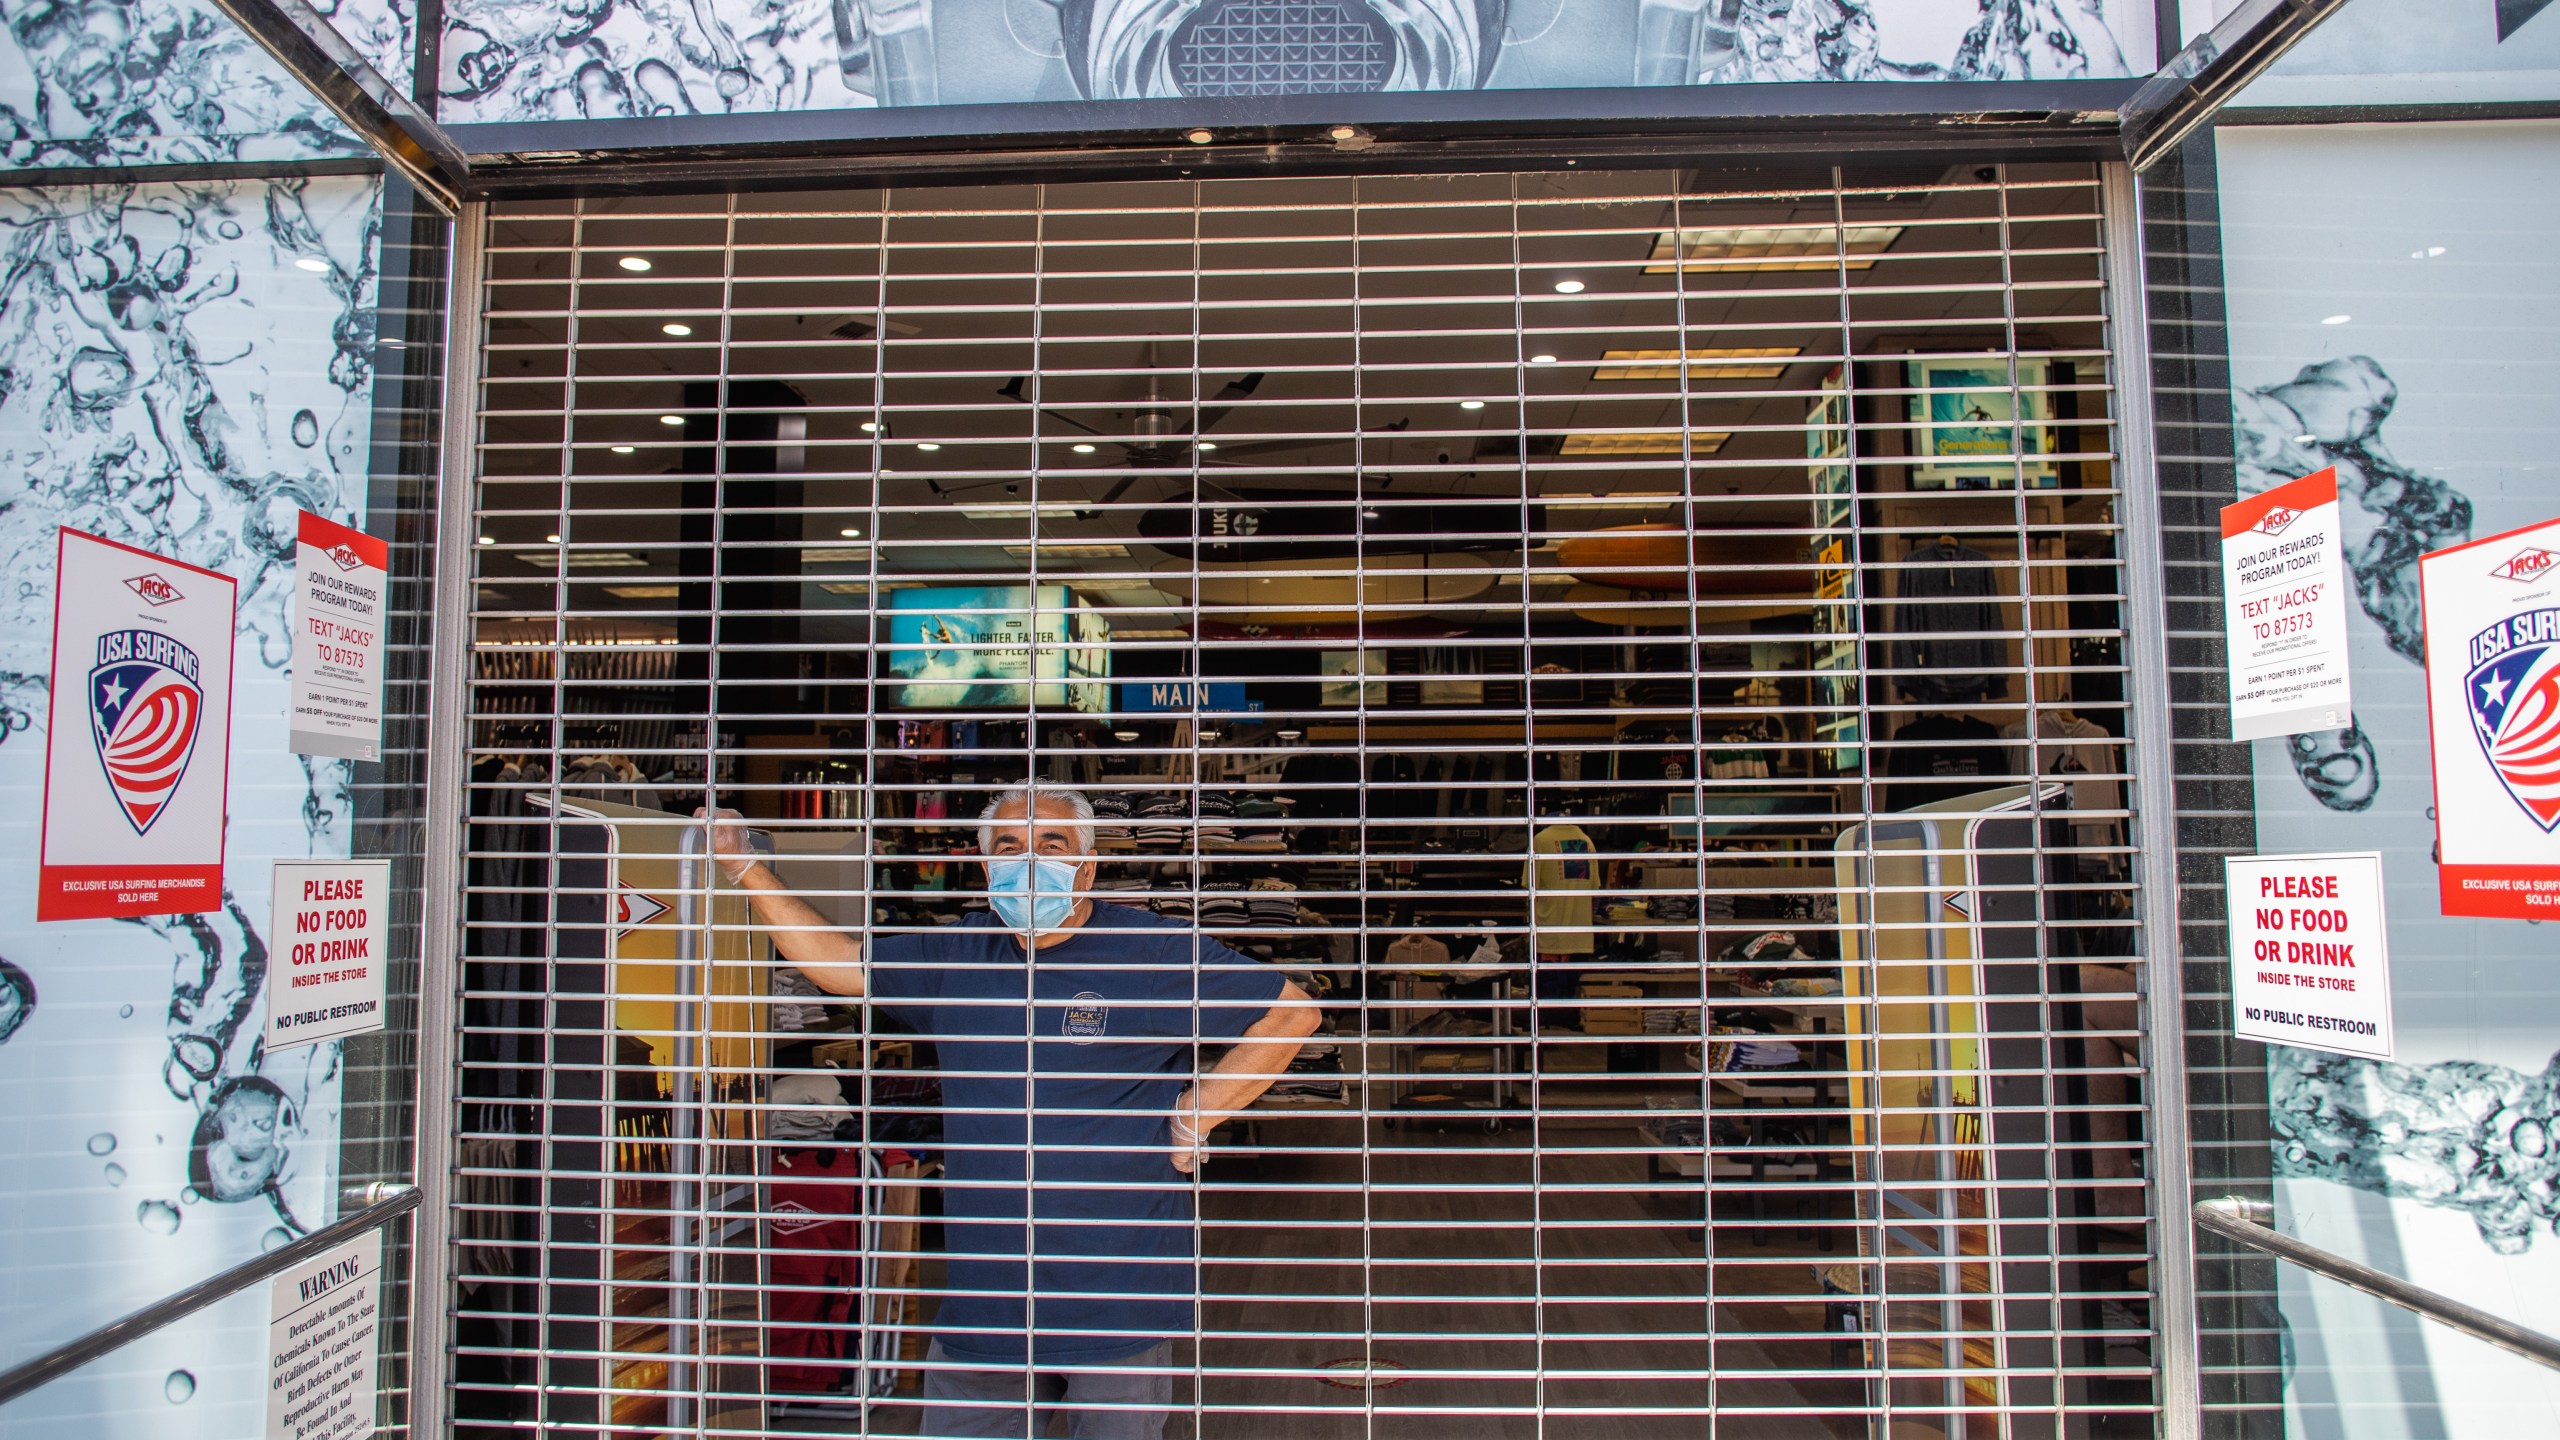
column 2214, row 67
column 406, row 137
column 1408, row 133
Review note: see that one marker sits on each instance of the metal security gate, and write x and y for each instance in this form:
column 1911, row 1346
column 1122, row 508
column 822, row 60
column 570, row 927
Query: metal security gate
column 1641, row 651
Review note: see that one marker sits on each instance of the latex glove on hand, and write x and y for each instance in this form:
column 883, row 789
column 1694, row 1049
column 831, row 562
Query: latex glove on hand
column 730, row 847
column 1190, row 1146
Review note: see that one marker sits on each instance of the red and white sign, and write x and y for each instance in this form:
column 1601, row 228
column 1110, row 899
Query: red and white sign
column 2284, row 598
column 2493, row 714
column 2310, row 958
column 339, row 581
column 137, row 762
column 325, row 957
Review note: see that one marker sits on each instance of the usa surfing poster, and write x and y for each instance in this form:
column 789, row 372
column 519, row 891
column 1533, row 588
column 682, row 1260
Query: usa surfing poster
column 2493, row 709
column 138, row 741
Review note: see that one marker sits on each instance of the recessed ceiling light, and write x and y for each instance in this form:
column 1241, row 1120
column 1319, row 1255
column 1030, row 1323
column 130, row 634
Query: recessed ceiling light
column 851, row 532
column 314, row 265
column 1569, row 287
column 670, row 419
column 870, row 426
column 927, row 445
column 1470, row 404
column 553, row 539
column 1208, row 735
column 1343, row 132
column 488, row 539
column 1542, row 359
column 1288, row 734
column 679, row 331
column 2336, row 319
column 1124, row 734
column 1368, row 512
column 624, row 449
column 1208, row 444
column 633, row 263
column 1199, row 137
column 1084, row 449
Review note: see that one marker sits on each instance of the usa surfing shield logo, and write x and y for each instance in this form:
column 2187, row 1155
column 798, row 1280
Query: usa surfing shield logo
column 145, row 707
column 2515, row 711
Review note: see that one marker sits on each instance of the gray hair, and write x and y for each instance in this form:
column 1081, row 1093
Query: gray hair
column 1031, row 798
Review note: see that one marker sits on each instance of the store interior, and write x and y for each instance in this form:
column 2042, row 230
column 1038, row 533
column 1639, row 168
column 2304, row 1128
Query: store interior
column 1643, row 649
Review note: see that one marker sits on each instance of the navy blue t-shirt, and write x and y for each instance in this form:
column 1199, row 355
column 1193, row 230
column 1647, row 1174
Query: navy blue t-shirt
column 1111, row 1017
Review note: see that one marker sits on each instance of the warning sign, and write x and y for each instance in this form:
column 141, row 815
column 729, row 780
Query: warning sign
column 322, row 1323
column 2309, row 962
column 324, row 968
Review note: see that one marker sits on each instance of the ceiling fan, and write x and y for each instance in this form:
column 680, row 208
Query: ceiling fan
column 1158, row 432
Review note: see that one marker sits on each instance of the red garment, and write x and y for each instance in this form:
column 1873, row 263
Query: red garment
column 815, row 1234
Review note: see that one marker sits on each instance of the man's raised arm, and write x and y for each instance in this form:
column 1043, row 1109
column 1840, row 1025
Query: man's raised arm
column 830, row 958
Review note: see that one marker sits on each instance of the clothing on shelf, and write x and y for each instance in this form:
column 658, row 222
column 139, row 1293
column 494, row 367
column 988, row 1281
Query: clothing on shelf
column 789, row 982
column 1953, row 648
column 806, row 1108
column 1272, row 901
column 1939, row 757
column 1417, row 952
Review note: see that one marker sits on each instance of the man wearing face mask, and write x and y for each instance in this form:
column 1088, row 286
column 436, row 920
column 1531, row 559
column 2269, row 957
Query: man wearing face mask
column 1104, row 1008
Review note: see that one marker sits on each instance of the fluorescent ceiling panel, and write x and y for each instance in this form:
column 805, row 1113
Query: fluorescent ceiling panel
column 1770, row 247
column 1749, row 362
column 1701, row 442
column 585, row 560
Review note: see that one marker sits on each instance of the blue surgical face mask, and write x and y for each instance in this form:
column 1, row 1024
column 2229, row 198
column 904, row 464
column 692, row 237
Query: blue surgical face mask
column 1032, row 895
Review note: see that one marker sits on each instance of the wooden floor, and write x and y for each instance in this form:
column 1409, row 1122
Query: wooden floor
column 1449, row 1290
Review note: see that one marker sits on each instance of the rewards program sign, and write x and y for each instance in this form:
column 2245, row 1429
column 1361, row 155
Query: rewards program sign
column 2493, row 708
column 137, row 753
column 2285, row 609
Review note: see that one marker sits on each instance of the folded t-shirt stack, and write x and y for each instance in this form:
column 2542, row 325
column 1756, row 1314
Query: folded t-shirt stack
column 1160, row 822
column 1222, row 903
column 1272, row 901
column 1111, row 814
column 1217, row 817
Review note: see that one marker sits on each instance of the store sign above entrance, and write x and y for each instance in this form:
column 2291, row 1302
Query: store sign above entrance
column 506, row 61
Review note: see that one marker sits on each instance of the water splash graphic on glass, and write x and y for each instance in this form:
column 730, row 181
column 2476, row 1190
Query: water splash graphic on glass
column 2331, row 414
column 157, row 1216
column 180, row 1387
column 2456, row 1135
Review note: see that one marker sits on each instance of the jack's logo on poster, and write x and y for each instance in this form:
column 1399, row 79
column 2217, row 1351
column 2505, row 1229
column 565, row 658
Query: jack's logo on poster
column 2492, row 610
column 145, row 705
column 137, row 763
column 2514, row 694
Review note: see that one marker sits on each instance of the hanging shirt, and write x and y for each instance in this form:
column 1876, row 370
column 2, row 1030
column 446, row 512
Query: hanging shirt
column 1105, row 1025
column 2073, row 745
column 1563, row 878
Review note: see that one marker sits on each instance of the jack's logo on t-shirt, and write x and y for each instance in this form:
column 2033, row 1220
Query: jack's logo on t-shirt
column 1085, row 1019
